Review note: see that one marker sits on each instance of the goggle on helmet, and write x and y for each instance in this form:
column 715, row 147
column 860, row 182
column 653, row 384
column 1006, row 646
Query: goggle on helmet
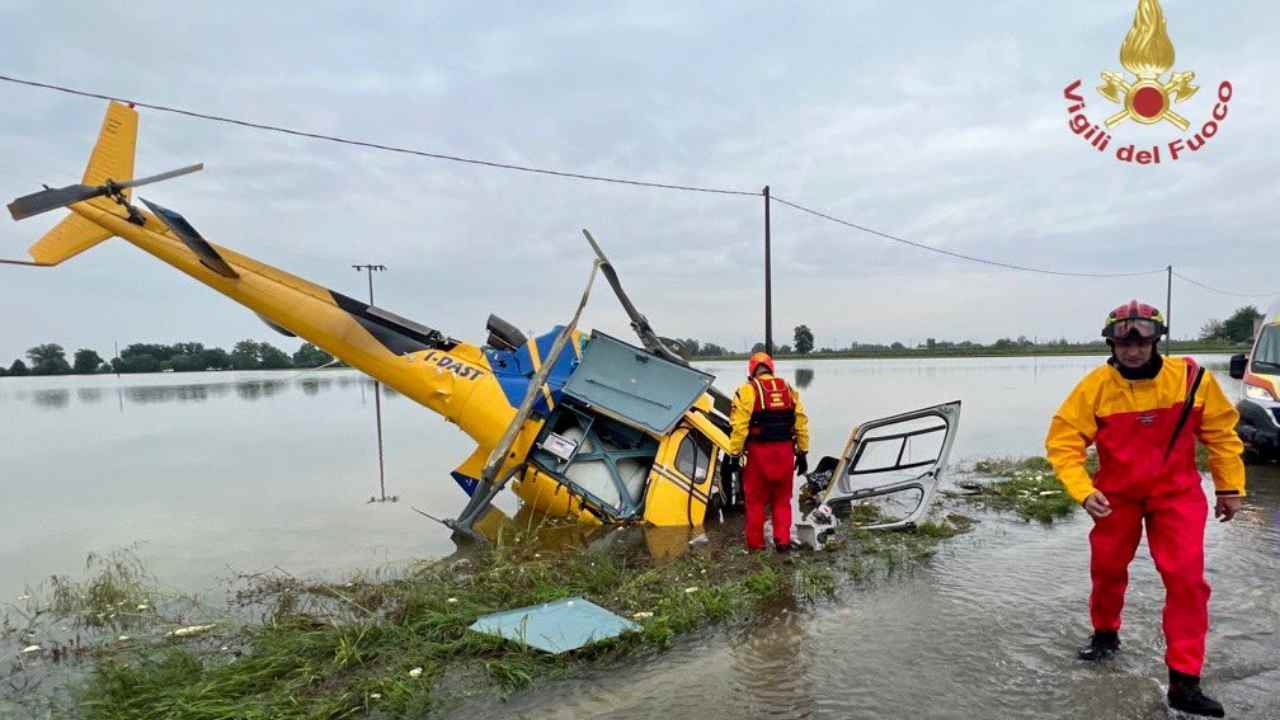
column 1134, row 320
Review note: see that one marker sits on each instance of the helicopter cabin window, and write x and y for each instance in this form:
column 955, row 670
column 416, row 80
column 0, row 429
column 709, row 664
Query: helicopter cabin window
column 600, row 457
column 694, row 457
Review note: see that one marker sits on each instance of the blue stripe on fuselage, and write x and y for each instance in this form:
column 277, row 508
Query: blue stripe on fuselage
column 514, row 368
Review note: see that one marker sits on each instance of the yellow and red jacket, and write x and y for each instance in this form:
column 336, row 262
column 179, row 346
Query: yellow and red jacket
column 747, row 403
column 1132, row 422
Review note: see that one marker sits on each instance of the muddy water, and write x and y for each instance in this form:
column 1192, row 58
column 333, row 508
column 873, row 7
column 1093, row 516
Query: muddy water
column 218, row 473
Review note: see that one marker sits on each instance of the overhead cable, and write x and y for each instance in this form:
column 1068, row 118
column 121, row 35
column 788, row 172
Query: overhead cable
column 1197, row 283
column 951, row 253
column 579, row 176
column 380, row 146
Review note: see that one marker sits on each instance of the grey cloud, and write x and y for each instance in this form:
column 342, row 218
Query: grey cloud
column 943, row 123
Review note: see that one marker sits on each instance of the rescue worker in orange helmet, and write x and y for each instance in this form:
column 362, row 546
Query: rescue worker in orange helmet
column 1144, row 412
column 770, row 422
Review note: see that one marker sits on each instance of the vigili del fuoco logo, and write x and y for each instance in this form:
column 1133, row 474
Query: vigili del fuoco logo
column 1149, row 97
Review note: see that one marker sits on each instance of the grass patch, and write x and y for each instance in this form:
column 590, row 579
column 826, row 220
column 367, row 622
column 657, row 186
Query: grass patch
column 400, row 647
column 118, row 587
column 1028, row 487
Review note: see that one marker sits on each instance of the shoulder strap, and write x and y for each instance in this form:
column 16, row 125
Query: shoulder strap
column 1195, row 374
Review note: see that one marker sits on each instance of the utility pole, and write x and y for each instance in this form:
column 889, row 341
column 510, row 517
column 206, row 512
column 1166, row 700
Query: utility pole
column 768, row 287
column 377, row 387
column 1168, row 308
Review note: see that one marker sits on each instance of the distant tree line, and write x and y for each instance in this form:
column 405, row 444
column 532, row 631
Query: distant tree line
column 51, row 359
column 1234, row 330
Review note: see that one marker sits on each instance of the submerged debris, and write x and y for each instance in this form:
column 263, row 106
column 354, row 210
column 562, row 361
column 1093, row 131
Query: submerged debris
column 556, row 627
column 191, row 630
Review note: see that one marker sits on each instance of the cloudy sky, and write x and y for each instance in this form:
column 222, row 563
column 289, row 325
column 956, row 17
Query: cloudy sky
column 940, row 122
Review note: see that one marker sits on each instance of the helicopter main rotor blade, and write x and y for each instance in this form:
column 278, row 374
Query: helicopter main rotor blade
column 54, row 198
column 639, row 322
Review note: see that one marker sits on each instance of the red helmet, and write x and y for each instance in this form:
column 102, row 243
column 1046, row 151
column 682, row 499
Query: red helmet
column 1134, row 319
column 756, row 361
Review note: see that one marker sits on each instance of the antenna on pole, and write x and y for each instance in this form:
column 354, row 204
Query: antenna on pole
column 377, row 388
column 768, row 278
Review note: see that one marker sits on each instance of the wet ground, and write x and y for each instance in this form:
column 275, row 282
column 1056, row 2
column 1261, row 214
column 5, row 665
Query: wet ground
column 221, row 473
column 987, row 629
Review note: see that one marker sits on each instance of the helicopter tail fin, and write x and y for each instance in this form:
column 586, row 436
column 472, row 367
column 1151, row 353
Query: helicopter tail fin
column 112, row 159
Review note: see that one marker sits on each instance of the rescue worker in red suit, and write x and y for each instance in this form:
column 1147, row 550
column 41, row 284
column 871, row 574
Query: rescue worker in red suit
column 1135, row 409
column 769, row 421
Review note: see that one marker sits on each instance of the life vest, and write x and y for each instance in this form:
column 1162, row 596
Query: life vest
column 773, row 417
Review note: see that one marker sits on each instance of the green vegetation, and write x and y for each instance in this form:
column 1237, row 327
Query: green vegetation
column 87, row 361
column 803, row 339
column 117, row 588
column 1238, row 328
column 400, row 647
column 310, row 356
column 1029, row 488
column 1230, row 336
column 50, row 359
column 1004, row 347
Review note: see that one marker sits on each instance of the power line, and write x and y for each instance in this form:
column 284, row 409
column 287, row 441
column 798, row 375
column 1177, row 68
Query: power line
column 1197, row 283
column 962, row 256
column 578, row 176
column 380, row 146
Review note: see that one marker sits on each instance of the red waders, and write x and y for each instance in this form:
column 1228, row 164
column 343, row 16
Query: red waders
column 769, row 472
column 1142, row 486
column 1175, row 532
column 766, row 481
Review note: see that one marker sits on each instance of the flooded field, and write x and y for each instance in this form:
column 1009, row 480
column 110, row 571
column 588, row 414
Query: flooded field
column 222, row 473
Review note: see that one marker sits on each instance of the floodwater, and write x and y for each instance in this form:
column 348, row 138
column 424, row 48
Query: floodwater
column 214, row 474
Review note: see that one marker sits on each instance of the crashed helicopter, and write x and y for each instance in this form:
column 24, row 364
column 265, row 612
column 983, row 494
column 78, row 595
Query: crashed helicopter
column 580, row 425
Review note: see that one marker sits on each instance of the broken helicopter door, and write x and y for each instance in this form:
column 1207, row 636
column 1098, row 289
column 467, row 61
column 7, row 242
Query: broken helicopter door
column 899, row 459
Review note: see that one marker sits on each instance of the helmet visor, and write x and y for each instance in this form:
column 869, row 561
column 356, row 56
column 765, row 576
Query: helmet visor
column 1139, row 328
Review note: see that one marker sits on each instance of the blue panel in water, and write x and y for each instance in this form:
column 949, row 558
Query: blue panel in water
column 556, row 627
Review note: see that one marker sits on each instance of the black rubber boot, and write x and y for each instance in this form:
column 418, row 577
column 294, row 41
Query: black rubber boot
column 1102, row 645
column 784, row 547
column 1185, row 695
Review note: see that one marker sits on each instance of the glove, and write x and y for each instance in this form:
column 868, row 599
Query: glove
column 802, row 463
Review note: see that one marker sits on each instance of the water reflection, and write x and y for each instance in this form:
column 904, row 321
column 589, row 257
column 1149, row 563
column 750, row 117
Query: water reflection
column 529, row 527
column 251, row 389
column 89, row 395
column 53, row 399
column 770, row 668
column 259, row 389
column 175, row 393
column 804, row 376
